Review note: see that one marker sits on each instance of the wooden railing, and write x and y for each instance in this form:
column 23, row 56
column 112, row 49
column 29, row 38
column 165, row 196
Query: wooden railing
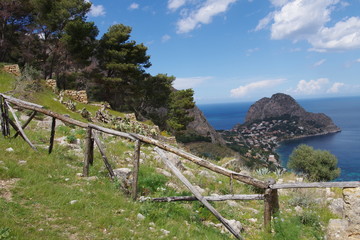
column 270, row 196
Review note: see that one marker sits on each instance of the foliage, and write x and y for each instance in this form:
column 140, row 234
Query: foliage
column 317, row 165
column 180, row 102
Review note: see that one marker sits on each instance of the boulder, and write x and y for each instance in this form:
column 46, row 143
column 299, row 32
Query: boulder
column 337, row 229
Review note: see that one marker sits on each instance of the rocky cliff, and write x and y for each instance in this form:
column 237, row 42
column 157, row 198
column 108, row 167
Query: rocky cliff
column 283, row 107
column 202, row 127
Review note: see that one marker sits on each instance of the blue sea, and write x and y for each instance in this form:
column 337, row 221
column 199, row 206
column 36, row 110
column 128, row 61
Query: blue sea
column 345, row 145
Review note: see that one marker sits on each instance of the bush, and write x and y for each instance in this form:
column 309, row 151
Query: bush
column 316, row 165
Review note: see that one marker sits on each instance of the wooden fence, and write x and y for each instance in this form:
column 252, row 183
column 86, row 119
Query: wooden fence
column 270, row 196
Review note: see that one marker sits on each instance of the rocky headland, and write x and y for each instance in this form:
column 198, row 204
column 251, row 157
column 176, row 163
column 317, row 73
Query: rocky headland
column 272, row 120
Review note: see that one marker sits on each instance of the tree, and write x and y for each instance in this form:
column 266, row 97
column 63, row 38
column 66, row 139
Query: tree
column 180, row 102
column 317, row 165
column 123, row 63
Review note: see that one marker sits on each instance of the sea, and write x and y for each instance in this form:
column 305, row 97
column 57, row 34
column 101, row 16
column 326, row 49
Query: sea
column 345, row 145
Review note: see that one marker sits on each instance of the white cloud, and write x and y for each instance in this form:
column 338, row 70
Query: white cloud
column 306, row 20
column 264, row 22
column 202, row 15
column 318, row 63
column 165, row 38
column 312, row 86
column 345, row 35
column 358, row 60
column 175, row 4
column 246, row 89
column 97, row 10
column 134, row 6
column 335, row 87
column 184, row 83
column 300, row 19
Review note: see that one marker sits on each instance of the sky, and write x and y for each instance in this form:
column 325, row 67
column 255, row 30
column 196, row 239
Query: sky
column 243, row 50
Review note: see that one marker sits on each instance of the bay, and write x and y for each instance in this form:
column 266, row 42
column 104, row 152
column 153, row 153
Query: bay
column 345, row 145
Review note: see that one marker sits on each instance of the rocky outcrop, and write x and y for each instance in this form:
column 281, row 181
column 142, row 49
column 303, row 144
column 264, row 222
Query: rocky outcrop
column 349, row 227
column 202, row 127
column 284, row 107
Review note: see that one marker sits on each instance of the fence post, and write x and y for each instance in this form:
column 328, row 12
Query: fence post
column 4, row 117
column 267, row 210
column 136, row 169
column 52, row 135
column 89, row 152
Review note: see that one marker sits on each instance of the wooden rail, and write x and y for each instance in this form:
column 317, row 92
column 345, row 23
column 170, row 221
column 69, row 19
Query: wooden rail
column 270, row 196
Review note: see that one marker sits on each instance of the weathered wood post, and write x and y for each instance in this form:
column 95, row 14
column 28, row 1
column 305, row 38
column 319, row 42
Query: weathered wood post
column 267, row 210
column 2, row 119
column 271, row 204
column 26, row 123
column 5, row 128
column 17, row 126
column 136, row 169
column 89, row 151
column 52, row 135
column 102, row 152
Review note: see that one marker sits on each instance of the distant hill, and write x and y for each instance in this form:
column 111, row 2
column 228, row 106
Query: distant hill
column 283, row 107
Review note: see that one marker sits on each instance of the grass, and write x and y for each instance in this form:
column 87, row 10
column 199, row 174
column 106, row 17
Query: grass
column 6, row 82
column 50, row 201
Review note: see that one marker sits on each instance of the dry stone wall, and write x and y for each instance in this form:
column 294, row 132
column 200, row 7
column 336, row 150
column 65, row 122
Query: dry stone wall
column 347, row 228
column 13, row 69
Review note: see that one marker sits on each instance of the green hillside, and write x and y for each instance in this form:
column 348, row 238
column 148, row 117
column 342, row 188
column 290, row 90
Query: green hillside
column 43, row 196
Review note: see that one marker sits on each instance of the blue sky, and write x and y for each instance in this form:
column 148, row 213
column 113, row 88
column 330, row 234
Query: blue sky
column 243, row 50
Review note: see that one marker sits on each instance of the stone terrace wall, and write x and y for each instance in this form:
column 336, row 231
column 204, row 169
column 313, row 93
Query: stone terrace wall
column 13, row 69
column 347, row 228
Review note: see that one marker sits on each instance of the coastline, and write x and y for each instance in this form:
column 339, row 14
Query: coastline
column 299, row 138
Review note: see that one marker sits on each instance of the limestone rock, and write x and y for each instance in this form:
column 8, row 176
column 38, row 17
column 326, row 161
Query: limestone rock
column 336, row 206
column 337, row 229
column 352, row 210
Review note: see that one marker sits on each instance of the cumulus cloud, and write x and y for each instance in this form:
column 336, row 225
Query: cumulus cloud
column 246, row 89
column 320, row 62
column 312, row 86
column 97, row 10
column 201, row 14
column 335, row 87
column 345, row 35
column 306, row 20
column 165, row 38
column 134, row 6
column 191, row 82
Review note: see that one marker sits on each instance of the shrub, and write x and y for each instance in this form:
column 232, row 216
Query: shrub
column 316, row 165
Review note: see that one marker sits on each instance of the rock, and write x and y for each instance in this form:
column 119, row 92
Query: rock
column 22, row 162
column 91, row 178
column 352, row 210
column 336, row 229
column 199, row 189
column 73, row 202
column 200, row 126
column 336, row 206
column 9, row 149
column 236, row 225
column 165, row 232
column 188, row 173
column 175, row 159
column 124, row 176
column 232, row 203
column 206, row 174
column 299, row 210
column 281, row 104
column 163, row 172
column 252, row 220
column 140, row 216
